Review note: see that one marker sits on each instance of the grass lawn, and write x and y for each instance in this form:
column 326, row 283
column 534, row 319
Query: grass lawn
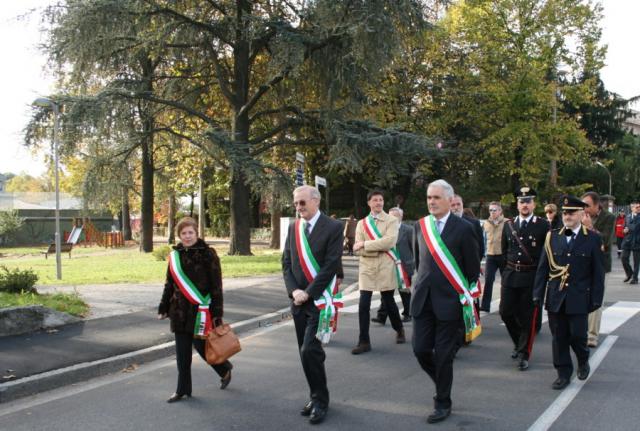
column 96, row 265
column 65, row 302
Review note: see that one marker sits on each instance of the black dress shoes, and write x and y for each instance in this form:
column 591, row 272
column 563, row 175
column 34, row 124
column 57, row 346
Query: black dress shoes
column 306, row 410
column 438, row 415
column 583, row 371
column 317, row 414
column 361, row 348
column 633, row 282
column 378, row 320
column 626, row 280
column 175, row 397
column 224, row 382
column 560, row 383
column 400, row 338
column 406, row 318
column 514, row 354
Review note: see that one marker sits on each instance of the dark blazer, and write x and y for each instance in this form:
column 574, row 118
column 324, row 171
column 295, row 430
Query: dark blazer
column 326, row 246
column 404, row 246
column 478, row 233
column 431, row 281
column 605, row 225
column 584, row 289
column 631, row 239
column 202, row 265
column 532, row 238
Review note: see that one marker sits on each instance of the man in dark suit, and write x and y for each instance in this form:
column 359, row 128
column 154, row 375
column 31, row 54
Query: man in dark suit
column 404, row 245
column 435, row 303
column 522, row 241
column 571, row 271
column 325, row 240
column 631, row 243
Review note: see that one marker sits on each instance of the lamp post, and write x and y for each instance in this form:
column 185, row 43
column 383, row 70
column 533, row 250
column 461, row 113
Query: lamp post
column 45, row 102
column 599, row 163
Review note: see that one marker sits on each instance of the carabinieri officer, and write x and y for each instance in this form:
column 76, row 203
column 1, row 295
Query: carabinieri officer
column 571, row 271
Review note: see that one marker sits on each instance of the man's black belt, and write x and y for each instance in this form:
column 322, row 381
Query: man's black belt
column 520, row 267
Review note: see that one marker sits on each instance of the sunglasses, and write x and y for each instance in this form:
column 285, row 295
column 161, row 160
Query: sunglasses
column 550, row 212
column 492, row 210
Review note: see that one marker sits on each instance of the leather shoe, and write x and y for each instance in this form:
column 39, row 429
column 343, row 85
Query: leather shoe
column 306, row 410
column 592, row 344
column 626, row 280
column 224, row 382
column 378, row 320
column 560, row 383
column 317, row 414
column 514, row 354
column 583, row 371
column 400, row 338
column 361, row 348
column 633, row 282
column 406, row 318
column 438, row 415
column 523, row 364
column 175, row 397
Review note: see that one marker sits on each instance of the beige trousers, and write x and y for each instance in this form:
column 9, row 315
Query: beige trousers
column 594, row 320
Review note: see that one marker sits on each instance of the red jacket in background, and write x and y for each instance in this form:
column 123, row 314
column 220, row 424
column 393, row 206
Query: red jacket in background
column 620, row 226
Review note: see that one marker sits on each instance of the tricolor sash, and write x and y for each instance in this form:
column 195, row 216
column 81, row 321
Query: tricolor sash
column 402, row 277
column 331, row 299
column 190, row 291
column 449, row 267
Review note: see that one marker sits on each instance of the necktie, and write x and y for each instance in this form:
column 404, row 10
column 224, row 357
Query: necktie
column 571, row 238
column 523, row 224
column 307, row 229
column 439, row 225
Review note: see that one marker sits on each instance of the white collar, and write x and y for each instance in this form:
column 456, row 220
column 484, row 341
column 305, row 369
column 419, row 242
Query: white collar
column 576, row 231
column 528, row 219
column 313, row 221
column 444, row 218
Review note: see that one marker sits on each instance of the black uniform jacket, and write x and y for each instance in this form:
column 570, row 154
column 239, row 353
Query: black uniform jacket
column 431, row 282
column 584, row 289
column 532, row 238
column 404, row 245
column 325, row 240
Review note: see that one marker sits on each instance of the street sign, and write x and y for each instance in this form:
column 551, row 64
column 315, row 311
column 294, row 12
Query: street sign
column 299, row 177
column 321, row 181
column 300, row 157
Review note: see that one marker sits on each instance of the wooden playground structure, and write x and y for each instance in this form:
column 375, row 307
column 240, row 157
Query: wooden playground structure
column 85, row 233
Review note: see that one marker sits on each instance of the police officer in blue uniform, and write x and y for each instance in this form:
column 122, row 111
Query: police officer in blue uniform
column 522, row 241
column 571, row 271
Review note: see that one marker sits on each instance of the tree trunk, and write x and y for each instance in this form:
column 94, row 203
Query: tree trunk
column 126, row 216
column 201, row 224
column 171, row 222
column 146, row 207
column 275, row 228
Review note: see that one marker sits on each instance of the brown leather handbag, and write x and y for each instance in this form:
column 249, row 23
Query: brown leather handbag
column 221, row 344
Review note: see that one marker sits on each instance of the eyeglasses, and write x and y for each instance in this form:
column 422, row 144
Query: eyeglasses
column 299, row 203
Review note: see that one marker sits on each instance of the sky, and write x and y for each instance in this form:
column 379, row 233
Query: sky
column 23, row 77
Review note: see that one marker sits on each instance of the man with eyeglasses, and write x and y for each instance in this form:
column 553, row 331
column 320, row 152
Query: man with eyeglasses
column 522, row 242
column 311, row 262
column 571, row 271
column 493, row 228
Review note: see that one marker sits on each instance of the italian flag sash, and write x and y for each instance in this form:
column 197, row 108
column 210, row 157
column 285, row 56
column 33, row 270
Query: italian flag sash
column 402, row 277
column 190, row 291
column 449, row 267
column 331, row 299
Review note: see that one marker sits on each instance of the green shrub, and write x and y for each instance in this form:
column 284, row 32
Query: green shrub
column 17, row 280
column 161, row 253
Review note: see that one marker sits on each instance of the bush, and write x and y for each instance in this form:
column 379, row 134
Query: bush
column 161, row 253
column 17, row 280
column 9, row 225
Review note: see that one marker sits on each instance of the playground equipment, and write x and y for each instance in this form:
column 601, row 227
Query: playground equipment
column 84, row 227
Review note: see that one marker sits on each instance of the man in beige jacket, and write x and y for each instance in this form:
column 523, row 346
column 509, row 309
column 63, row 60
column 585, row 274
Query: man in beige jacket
column 376, row 235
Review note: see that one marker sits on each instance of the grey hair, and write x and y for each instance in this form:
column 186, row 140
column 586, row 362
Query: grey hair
column 446, row 187
column 398, row 210
column 459, row 197
column 313, row 192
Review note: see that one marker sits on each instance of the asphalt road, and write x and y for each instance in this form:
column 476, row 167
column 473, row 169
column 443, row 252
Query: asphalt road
column 384, row 389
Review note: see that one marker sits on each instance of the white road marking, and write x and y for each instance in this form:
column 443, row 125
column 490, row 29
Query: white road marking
column 616, row 315
column 554, row 411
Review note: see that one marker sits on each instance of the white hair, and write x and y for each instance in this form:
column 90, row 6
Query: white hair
column 398, row 210
column 314, row 193
column 446, row 187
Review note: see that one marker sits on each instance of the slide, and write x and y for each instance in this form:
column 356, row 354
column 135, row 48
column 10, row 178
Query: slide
column 75, row 235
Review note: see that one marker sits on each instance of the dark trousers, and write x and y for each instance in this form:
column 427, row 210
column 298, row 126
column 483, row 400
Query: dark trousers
column 619, row 245
column 493, row 264
column 434, row 345
column 568, row 330
column 516, row 310
column 364, row 312
column 626, row 255
column 184, row 354
column 406, row 303
column 312, row 354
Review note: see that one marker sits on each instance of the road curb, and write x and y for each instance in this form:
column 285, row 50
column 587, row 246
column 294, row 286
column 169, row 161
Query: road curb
column 49, row 380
